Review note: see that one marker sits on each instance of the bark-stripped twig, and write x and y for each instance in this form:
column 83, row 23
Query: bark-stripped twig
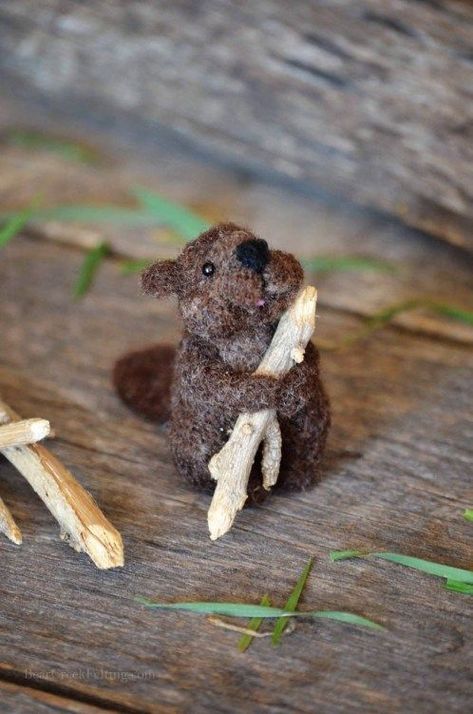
column 231, row 467
column 82, row 523
column 8, row 525
column 26, row 431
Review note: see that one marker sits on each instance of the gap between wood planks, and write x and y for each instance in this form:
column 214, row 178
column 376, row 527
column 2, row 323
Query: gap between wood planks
column 116, row 256
column 17, row 679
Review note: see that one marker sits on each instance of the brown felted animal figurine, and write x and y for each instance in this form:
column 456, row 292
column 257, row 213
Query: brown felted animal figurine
column 232, row 290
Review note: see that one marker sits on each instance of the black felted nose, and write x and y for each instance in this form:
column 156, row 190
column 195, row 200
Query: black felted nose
column 253, row 254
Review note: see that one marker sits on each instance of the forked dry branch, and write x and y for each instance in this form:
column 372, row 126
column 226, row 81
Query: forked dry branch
column 231, row 467
column 82, row 523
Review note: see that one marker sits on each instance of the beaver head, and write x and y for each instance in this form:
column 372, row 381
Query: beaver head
column 227, row 281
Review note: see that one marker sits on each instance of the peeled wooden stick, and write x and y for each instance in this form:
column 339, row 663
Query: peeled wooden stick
column 82, row 523
column 231, row 467
column 8, row 525
column 272, row 446
column 27, row 431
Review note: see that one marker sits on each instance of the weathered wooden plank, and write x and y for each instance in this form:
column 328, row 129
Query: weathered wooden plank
column 368, row 99
column 307, row 226
column 398, row 477
column 27, row 700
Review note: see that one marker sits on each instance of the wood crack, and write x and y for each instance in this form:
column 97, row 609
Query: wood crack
column 327, row 45
column 390, row 23
column 20, row 679
column 327, row 77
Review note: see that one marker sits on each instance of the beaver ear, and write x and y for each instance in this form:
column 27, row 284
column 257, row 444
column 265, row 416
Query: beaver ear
column 160, row 279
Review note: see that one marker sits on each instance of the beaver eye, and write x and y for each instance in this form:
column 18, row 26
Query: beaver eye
column 208, row 269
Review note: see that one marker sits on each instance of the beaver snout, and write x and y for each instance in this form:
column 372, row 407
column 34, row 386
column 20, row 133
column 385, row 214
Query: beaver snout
column 253, row 254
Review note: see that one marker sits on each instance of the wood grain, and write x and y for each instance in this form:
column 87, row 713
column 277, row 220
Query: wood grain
column 398, row 477
column 307, row 226
column 368, row 99
column 17, row 698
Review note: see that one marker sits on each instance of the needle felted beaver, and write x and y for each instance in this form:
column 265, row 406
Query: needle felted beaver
column 231, row 290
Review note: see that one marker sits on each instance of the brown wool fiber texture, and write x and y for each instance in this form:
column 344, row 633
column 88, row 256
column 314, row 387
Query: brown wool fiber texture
column 231, row 291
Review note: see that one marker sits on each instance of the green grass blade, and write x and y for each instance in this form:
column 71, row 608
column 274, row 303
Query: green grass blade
column 291, row 603
column 132, row 217
column 468, row 514
column 377, row 321
column 254, row 624
column 349, row 618
column 430, row 567
column 230, row 609
column 118, row 215
column 89, row 268
column 455, row 313
column 129, row 267
column 459, row 587
column 68, row 149
column 237, row 609
column 327, row 263
column 386, row 315
column 185, row 222
column 14, row 225
column 85, row 213
column 345, row 554
column 426, row 566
